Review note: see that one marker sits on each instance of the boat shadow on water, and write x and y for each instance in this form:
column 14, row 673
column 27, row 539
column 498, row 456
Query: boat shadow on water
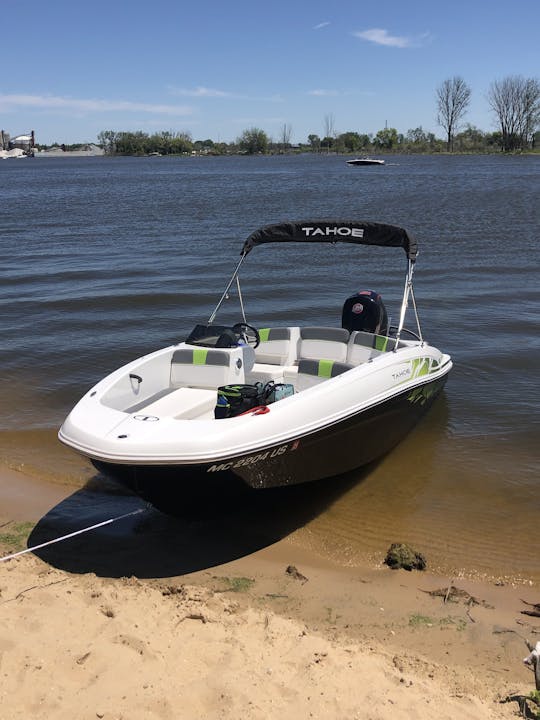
column 151, row 544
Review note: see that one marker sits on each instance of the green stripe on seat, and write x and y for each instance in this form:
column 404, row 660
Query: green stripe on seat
column 263, row 334
column 381, row 343
column 199, row 356
column 325, row 368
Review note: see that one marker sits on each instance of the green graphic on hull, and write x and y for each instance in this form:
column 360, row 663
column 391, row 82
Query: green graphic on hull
column 422, row 394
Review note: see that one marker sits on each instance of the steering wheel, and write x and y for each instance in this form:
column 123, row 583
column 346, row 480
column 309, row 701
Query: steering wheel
column 248, row 334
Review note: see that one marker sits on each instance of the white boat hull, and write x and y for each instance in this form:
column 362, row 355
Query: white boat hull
column 331, row 428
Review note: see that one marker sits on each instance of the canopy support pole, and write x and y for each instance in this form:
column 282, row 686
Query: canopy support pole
column 239, row 290
column 408, row 290
column 226, row 291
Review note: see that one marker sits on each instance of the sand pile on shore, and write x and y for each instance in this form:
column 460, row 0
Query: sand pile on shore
column 79, row 646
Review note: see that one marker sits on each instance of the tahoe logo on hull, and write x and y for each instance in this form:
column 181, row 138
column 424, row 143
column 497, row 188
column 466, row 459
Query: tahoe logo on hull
column 335, row 230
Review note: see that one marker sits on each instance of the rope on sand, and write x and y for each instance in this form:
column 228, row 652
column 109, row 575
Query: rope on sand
column 70, row 535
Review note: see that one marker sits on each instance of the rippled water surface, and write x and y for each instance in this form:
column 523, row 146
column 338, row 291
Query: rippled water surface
column 106, row 259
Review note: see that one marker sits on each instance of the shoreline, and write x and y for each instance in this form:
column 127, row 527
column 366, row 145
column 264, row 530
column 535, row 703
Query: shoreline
column 258, row 638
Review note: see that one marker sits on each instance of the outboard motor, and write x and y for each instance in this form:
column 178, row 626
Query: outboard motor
column 365, row 311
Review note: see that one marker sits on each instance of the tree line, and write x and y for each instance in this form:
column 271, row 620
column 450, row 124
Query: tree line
column 514, row 101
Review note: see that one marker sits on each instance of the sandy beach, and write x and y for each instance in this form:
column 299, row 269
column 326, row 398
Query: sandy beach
column 275, row 633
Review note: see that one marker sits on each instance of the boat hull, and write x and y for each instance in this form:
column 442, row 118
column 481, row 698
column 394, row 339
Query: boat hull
column 333, row 450
column 365, row 162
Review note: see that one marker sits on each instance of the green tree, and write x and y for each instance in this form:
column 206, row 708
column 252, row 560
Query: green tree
column 470, row 139
column 314, row 142
column 253, row 141
column 328, row 142
column 352, row 141
column 386, row 139
column 132, row 143
column 107, row 140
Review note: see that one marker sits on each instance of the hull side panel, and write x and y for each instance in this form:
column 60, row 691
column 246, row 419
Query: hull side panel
column 347, row 445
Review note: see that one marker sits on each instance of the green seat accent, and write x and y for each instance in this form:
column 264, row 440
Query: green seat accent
column 199, row 356
column 381, row 342
column 264, row 333
column 325, row 368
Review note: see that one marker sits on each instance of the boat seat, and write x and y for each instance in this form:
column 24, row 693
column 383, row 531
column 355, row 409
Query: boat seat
column 323, row 342
column 184, row 402
column 276, row 354
column 207, row 368
column 278, row 346
column 364, row 346
column 313, row 372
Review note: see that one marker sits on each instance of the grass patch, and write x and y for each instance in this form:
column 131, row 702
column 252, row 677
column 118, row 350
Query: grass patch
column 13, row 536
column 237, row 584
column 418, row 620
column 535, row 698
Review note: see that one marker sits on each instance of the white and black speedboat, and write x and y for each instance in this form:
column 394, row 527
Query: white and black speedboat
column 311, row 402
column 365, row 161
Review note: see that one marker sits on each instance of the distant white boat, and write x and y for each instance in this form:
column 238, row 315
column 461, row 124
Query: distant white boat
column 365, row 161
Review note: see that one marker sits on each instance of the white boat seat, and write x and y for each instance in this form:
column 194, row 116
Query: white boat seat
column 323, row 342
column 206, row 368
column 313, row 372
column 278, row 346
column 364, row 346
column 184, row 402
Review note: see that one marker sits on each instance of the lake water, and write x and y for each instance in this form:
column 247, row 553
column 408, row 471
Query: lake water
column 105, row 259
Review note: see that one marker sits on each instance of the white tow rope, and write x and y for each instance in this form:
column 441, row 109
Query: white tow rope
column 77, row 532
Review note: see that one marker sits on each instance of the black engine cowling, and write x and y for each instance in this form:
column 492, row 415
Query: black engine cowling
column 365, row 311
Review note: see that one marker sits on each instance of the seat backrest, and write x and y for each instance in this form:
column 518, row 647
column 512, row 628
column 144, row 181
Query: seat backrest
column 364, row 346
column 278, row 346
column 323, row 342
column 206, row 368
column 313, row 372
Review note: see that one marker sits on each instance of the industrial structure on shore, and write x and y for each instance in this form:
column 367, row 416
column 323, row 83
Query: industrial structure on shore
column 18, row 146
column 24, row 145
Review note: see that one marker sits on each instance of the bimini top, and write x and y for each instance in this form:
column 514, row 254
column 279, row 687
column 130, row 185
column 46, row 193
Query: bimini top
column 349, row 231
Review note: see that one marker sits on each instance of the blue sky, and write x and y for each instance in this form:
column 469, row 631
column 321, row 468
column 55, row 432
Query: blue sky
column 71, row 69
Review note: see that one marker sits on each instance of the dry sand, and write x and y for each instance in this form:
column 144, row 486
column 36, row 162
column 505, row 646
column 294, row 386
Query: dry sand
column 249, row 639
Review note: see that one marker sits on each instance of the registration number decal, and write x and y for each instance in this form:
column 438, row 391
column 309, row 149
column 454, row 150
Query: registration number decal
column 249, row 460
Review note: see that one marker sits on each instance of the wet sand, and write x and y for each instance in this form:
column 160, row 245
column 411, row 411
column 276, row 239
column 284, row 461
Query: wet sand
column 155, row 616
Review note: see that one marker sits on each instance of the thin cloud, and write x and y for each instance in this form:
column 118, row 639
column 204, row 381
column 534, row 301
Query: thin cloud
column 201, row 92
column 320, row 92
column 51, row 102
column 321, row 25
column 379, row 36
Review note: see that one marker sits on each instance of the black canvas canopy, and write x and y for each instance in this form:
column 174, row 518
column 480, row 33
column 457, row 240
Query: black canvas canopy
column 349, row 231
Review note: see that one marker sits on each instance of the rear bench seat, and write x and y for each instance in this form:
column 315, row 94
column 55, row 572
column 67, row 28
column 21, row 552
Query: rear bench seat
column 364, row 346
column 313, row 372
column 328, row 343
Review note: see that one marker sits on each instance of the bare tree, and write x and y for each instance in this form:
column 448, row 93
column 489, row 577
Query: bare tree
column 329, row 130
column 515, row 100
column 285, row 136
column 453, row 98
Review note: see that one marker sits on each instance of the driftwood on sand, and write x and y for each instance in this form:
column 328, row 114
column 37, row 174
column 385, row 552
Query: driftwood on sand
column 455, row 594
column 535, row 612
